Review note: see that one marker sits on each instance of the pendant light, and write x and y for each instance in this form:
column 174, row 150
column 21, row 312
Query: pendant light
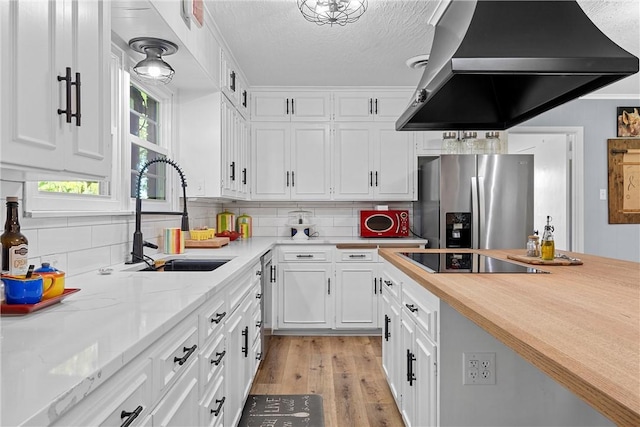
column 153, row 69
column 330, row 12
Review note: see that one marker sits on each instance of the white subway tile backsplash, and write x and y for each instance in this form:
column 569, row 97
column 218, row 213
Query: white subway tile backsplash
column 109, row 234
column 55, row 240
column 269, row 221
column 346, row 221
column 333, row 212
column 88, row 260
column 265, row 231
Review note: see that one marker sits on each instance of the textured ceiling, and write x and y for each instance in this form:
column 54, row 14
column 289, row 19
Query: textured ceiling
column 275, row 46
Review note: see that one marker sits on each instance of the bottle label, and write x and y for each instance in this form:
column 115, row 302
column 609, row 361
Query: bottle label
column 18, row 260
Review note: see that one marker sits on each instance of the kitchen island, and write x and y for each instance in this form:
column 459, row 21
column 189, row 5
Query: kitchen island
column 580, row 325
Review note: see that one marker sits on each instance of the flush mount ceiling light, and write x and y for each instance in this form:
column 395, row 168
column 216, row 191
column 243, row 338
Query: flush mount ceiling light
column 153, row 68
column 330, row 12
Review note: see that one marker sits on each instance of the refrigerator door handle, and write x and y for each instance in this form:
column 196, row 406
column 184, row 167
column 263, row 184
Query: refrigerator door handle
column 475, row 213
column 482, row 221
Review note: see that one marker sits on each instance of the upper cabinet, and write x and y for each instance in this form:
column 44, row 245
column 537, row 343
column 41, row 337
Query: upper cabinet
column 55, row 86
column 291, row 106
column 370, row 106
column 233, row 84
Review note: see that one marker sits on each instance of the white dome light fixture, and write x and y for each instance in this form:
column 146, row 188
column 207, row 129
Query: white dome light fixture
column 153, row 68
column 332, row 12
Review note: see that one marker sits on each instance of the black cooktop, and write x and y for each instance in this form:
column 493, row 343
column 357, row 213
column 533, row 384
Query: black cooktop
column 456, row 262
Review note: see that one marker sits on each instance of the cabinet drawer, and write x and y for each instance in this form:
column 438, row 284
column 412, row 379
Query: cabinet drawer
column 239, row 288
column 345, row 255
column 424, row 313
column 213, row 404
column 129, row 391
column 307, row 254
column 212, row 318
column 174, row 355
column 212, row 361
column 391, row 285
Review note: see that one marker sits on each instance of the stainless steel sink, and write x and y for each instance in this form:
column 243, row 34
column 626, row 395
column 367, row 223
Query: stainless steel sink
column 189, row 264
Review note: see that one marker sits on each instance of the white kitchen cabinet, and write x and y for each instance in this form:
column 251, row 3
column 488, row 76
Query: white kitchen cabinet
column 291, row 161
column 304, row 289
column 214, row 149
column 291, row 106
column 358, row 289
column 370, row 106
column 55, row 58
column 233, row 84
column 372, row 161
column 179, row 407
column 391, row 335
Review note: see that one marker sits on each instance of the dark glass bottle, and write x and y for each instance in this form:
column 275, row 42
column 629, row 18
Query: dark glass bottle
column 14, row 244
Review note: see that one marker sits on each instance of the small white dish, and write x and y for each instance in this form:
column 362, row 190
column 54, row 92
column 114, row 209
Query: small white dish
column 105, row 271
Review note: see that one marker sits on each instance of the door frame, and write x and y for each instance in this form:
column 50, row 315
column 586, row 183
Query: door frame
column 575, row 137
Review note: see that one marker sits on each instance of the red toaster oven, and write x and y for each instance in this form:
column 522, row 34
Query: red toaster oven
column 391, row 223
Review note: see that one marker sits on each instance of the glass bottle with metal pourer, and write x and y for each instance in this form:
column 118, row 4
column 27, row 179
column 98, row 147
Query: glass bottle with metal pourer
column 547, row 248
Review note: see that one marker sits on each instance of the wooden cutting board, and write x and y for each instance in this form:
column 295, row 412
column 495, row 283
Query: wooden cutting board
column 216, row 242
column 538, row 261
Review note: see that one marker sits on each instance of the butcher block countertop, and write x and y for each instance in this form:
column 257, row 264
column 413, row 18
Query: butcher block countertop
column 580, row 324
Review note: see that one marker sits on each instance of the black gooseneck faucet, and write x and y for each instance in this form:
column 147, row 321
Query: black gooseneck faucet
column 137, row 255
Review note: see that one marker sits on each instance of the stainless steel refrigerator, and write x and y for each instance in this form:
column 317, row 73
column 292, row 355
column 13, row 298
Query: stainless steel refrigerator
column 475, row 201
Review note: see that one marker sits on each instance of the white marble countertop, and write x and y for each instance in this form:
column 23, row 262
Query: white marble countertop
column 52, row 358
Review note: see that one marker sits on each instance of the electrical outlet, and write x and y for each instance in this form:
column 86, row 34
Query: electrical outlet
column 603, row 194
column 478, row 368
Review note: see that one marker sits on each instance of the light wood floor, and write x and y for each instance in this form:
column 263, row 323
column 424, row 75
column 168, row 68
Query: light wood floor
column 345, row 370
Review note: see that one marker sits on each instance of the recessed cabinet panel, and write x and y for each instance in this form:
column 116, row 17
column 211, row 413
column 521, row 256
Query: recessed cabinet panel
column 271, row 160
column 395, row 165
column 353, row 162
column 270, row 106
column 310, row 106
column 311, row 163
column 357, row 295
column 304, row 296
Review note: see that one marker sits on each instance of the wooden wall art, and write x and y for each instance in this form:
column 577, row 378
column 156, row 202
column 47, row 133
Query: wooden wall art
column 624, row 180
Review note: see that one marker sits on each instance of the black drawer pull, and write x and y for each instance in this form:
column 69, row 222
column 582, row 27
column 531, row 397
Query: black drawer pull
column 357, row 256
column 259, row 356
column 259, row 324
column 387, row 334
column 220, row 402
column 304, row 256
column 219, row 317
column 189, row 352
column 412, row 308
column 219, row 359
column 130, row 416
column 258, row 295
column 67, row 91
column 245, row 334
column 388, row 282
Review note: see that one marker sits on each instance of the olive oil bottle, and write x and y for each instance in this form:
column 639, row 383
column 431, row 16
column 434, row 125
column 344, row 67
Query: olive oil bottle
column 14, row 244
column 547, row 248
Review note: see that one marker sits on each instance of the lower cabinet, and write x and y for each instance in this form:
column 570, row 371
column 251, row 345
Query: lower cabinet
column 409, row 346
column 305, row 295
column 199, row 373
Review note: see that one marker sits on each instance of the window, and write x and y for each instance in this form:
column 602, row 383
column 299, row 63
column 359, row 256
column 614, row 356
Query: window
column 141, row 131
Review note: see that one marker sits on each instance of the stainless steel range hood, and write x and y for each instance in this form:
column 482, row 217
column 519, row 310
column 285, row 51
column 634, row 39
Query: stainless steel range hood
column 495, row 64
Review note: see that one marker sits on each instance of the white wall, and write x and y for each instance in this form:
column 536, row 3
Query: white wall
column 598, row 118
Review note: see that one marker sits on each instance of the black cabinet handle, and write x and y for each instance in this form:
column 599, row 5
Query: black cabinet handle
column 258, row 356
column 258, row 295
column 376, row 105
column 304, row 256
column 387, row 320
column 67, row 108
column 375, row 285
column 259, row 324
column 78, row 112
column 272, row 272
column 220, row 402
column 380, row 285
column 218, row 317
column 329, row 286
column 189, row 351
column 410, row 375
column 370, row 105
column 388, row 282
column 292, row 111
column 293, row 179
column 233, row 171
column 244, row 176
column 357, row 256
column 287, row 106
column 370, row 179
column 245, row 334
column 412, row 308
column 376, row 178
column 130, row 416
column 233, row 81
column 219, row 358
column 287, row 178
column 244, row 98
